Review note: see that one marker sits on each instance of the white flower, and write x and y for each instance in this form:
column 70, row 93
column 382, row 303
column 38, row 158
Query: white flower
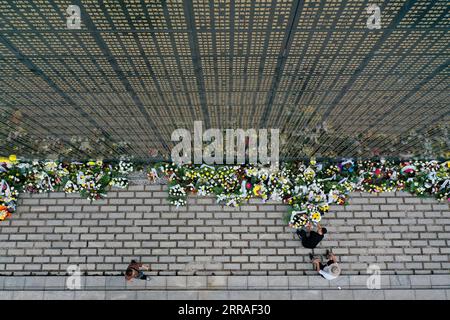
column 119, row 182
column 50, row 166
column 125, row 167
column 276, row 195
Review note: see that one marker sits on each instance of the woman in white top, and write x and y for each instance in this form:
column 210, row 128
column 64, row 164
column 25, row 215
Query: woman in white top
column 329, row 271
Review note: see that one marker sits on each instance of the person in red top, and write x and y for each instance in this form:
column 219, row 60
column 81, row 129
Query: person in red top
column 134, row 271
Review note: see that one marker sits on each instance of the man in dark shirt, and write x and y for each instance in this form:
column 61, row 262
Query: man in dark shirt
column 310, row 239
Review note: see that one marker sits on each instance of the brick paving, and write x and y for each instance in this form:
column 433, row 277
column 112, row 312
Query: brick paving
column 401, row 233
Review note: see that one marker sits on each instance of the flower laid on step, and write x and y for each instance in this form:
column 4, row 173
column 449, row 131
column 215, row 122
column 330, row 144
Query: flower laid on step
column 204, row 190
column 310, row 187
column 70, row 187
column 90, row 179
column 4, row 212
column 50, row 166
column 230, row 200
column 323, row 208
column 177, row 194
column 298, row 219
column 309, row 174
column 347, row 166
column 119, row 182
column 125, row 167
column 315, row 217
column 178, row 202
column 9, row 160
column 408, row 169
column 257, row 190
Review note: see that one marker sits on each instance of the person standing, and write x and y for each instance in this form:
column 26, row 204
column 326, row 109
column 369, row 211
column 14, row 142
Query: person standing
column 134, row 271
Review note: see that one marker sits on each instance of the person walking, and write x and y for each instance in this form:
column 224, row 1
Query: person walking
column 310, row 239
column 330, row 270
column 134, row 271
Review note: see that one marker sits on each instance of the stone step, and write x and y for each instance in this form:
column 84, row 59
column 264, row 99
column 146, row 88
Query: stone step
column 386, row 294
column 216, row 273
column 189, row 283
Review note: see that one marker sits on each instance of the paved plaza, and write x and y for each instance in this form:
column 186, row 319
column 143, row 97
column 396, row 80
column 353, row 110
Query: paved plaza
column 405, row 236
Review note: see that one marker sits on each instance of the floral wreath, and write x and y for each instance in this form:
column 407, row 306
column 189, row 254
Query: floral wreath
column 90, row 179
column 308, row 187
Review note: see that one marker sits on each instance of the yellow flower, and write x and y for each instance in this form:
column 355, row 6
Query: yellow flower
column 50, row 165
column 316, row 216
column 257, row 190
column 309, row 174
column 13, row 158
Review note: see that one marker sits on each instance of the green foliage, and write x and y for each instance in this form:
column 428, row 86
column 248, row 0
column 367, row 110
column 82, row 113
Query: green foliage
column 309, row 187
column 91, row 179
